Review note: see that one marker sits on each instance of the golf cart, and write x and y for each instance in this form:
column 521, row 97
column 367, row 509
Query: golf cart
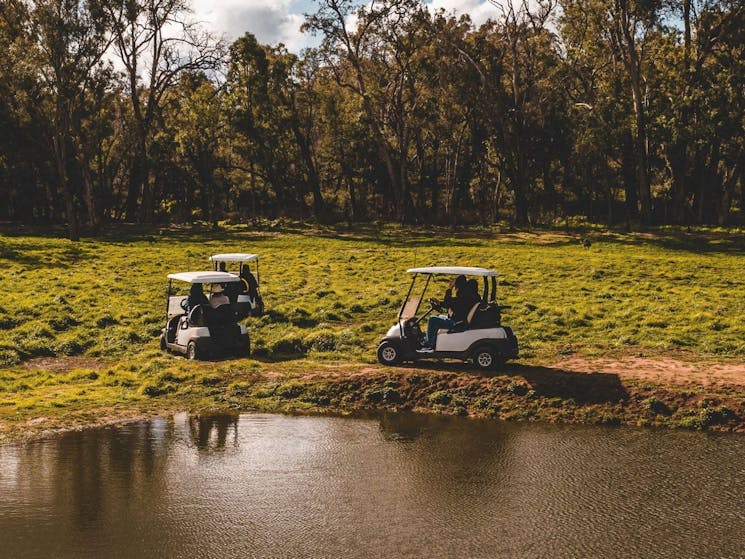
column 247, row 300
column 481, row 337
column 194, row 327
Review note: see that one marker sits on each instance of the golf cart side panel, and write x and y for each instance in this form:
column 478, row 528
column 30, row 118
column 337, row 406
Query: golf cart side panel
column 186, row 334
column 461, row 341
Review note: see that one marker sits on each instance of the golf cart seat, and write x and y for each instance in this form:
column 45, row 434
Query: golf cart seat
column 486, row 316
column 463, row 325
column 196, row 315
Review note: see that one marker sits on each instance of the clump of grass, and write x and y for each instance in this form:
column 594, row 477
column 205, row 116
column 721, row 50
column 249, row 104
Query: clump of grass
column 293, row 345
column 9, row 357
column 385, row 394
column 441, row 398
column 289, row 390
column 656, row 406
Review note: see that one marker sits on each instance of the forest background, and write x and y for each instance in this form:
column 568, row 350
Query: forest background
column 629, row 112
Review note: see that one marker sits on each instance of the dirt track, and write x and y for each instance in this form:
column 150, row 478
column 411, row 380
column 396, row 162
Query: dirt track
column 660, row 370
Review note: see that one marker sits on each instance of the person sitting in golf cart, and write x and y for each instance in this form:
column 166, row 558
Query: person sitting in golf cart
column 251, row 288
column 457, row 307
column 196, row 297
column 218, row 297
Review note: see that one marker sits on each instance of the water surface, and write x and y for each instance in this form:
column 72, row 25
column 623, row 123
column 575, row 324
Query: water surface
column 394, row 486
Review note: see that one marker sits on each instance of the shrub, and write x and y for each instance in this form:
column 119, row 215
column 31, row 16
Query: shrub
column 441, row 398
column 517, row 389
column 105, row 321
column 323, row 341
column 70, row 347
column 656, row 406
column 9, row 357
column 317, row 395
column 152, row 390
column 290, row 344
column 289, row 390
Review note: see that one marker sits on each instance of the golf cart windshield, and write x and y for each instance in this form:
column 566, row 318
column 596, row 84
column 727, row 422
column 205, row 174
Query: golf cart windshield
column 443, row 275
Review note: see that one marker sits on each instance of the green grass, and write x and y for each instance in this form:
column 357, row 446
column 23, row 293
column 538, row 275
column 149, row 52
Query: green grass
column 332, row 293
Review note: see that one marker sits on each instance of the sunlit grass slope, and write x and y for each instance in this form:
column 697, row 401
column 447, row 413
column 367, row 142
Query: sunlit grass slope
column 332, row 293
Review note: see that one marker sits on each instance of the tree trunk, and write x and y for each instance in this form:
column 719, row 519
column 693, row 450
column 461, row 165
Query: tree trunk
column 641, row 148
column 60, row 156
column 313, row 183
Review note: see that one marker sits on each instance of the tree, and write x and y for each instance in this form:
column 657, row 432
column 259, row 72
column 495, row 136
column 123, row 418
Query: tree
column 156, row 43
column 72, row 40
column 378, row 41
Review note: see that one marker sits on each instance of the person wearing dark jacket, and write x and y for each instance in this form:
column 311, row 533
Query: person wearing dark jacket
column 196, row 297
column 458, row 308
column 251, row 288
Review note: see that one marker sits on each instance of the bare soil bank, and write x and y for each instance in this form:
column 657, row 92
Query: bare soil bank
column 625, row 390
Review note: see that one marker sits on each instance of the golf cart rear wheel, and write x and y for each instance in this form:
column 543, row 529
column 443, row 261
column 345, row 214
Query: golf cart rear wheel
column 485, row 358
column 192, row 352
column 389, row 354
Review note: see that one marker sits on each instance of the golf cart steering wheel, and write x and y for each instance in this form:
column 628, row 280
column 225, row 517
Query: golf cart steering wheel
column 435, row 304
column 184, row 304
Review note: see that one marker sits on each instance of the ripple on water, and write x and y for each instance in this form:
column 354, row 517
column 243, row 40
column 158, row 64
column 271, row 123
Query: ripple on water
column 395, row 486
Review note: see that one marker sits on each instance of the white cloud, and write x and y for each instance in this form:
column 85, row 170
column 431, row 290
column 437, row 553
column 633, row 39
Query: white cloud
column 478, row 10
column 272, row 21
column 279, row 21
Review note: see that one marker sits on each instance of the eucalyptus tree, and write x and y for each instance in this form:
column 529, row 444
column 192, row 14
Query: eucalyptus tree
column 372, row 61
column 700, row 108
column 529, row 64
column 196, row 122
column 270, row 112
column 25, row 187
column 155, row 42
column 624, row 29
column 71, row 39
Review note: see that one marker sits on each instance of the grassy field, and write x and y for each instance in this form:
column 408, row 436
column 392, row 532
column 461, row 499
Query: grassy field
column 79, row 322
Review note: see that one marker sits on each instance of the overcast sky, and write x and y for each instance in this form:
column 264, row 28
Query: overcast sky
column 279, row 21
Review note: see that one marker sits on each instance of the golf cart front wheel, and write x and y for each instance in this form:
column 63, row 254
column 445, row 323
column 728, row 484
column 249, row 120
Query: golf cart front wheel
column 486, row 358
column 389, row 354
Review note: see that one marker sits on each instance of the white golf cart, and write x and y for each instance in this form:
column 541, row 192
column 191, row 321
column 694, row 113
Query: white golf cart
column 246, row 299
column 194, row 327
column 481, row 337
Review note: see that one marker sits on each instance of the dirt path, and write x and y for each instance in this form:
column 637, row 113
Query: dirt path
column 660, row 370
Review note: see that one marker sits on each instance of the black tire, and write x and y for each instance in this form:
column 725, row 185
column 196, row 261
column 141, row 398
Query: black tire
column 192, row 351
column 486, row 358
column 163, row 345
column 389, row 353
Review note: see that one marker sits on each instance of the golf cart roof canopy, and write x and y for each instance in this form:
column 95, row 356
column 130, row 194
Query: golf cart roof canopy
column 454, row 271
column 204, row 277
column 233, row 257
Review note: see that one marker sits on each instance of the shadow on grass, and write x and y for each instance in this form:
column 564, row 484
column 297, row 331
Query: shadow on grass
column 700, row 240
column 583, row 388
column 278, row 357
column 548, row 382
column 137, row 233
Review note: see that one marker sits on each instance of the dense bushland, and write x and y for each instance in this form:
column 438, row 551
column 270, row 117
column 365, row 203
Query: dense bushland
column 626, row 112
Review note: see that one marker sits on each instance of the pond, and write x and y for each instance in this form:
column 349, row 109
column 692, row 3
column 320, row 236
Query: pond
column 387, row 486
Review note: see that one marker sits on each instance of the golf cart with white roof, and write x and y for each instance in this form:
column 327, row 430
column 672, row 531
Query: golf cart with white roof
column 480, row 337
column 245, row 298
column 200, row 327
